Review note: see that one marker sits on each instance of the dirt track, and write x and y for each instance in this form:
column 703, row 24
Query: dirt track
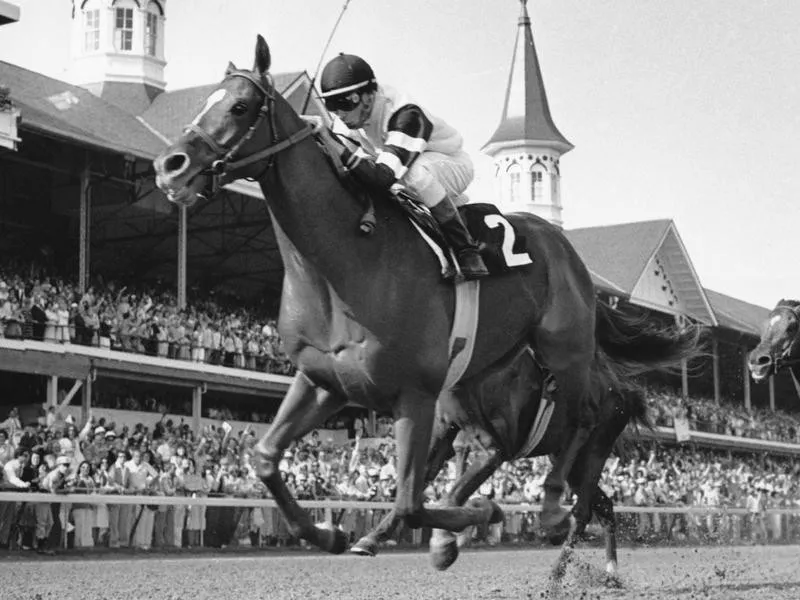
column 764, row 573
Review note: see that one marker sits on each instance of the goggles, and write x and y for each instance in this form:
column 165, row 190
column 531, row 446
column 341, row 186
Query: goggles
column 344, row 103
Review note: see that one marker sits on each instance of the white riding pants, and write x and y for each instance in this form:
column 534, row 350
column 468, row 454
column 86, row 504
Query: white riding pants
column 435, row 176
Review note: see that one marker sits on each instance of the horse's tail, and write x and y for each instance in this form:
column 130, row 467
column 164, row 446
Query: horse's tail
column 628, row 346
column 633, row 345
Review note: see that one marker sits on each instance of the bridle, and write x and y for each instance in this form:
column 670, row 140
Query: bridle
column 225, row 163
column 785, row 360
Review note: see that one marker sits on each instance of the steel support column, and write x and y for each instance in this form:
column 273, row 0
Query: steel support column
column 84, row 257
column 182, row 242
column 746, row 376
column 197, row 409
column 715, row 364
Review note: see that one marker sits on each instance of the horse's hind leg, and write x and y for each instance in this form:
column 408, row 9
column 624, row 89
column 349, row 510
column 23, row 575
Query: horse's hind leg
column 441, row 450
column 443, row 544
column 413, row 423
column 304, row 408
column 584, row 479
column 573, row 388
column 603, row 508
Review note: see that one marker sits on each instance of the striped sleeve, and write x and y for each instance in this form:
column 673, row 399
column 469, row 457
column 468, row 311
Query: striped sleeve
column 408, row 132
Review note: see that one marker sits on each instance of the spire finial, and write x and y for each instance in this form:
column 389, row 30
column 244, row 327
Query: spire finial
column 524, row 19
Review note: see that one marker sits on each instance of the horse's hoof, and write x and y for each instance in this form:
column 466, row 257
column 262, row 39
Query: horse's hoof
column 444, row 549
column 558, row 533
column 331, row 540
column 366, row 546
column 612, row 581
column 496, row 514
column 556, row 523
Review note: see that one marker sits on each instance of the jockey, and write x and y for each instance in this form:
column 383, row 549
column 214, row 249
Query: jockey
column 397, row 141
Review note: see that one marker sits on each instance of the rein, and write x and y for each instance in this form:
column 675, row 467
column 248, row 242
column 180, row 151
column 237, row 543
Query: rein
column 226, row 163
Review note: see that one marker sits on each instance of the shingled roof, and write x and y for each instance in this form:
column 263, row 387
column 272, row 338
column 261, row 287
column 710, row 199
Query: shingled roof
column 648, row 262
column 619, row 253
column 55, row 108
column 736, row 314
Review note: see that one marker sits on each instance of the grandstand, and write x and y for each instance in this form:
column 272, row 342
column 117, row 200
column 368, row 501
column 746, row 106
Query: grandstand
column 113, row 299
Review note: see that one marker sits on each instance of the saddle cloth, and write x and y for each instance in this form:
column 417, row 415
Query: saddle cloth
column 502, row 247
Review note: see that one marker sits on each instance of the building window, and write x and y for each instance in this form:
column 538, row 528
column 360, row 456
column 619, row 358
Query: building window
column 123, row 30
column 91, row 30
column 537, row 186
column 514, row 183
column 556, row 184
column 151, row 34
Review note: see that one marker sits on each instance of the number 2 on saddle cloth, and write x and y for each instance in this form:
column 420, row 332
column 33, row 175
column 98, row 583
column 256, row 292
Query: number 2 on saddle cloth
column 502, row 248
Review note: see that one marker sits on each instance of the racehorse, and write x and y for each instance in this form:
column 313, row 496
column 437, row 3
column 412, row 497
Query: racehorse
column 366, row 319
column 498, row 409
column 778, row 347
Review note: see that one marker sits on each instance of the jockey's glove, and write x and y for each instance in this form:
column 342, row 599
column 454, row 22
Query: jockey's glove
column 373, row 175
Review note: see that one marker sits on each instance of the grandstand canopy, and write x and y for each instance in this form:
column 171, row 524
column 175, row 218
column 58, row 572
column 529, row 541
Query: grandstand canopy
column 133, row 229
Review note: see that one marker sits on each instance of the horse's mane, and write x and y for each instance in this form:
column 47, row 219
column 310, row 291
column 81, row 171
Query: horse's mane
column 786, row 303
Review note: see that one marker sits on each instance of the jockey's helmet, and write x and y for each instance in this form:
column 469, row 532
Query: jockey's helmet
column 343, row 81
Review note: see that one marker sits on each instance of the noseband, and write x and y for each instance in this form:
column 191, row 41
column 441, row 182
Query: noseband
column 225, row 162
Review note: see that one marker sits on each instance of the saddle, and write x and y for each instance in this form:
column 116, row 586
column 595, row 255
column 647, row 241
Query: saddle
column 502, row 247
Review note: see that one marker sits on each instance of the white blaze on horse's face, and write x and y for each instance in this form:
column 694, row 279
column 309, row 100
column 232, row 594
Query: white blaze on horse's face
column 215, row 98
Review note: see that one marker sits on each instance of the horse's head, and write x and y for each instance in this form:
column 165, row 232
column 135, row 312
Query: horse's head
column 232, row 134
column 778, row 344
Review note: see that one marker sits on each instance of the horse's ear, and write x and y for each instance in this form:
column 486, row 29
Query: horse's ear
column 230, row 69
column 263, row 58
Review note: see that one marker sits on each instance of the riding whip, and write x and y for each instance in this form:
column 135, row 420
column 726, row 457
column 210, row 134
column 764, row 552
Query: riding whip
column 322, row 56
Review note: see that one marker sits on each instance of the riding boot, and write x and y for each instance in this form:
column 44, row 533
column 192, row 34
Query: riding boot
column 454, row 229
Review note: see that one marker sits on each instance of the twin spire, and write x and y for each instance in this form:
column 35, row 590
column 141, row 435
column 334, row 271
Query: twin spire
column 526, row 115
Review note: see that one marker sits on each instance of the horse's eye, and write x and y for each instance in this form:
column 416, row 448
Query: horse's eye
column 239, row 109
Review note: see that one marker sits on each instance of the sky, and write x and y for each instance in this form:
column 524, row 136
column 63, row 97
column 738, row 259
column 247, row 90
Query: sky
column 683, row 110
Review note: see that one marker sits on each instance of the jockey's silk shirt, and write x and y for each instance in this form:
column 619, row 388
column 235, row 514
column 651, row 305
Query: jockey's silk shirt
column 399, row 130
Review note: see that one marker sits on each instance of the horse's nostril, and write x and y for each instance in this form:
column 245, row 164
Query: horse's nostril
column 176, row 163
column 763, row 360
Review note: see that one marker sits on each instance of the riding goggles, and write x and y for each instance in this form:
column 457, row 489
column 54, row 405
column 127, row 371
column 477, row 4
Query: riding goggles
column 344, row 103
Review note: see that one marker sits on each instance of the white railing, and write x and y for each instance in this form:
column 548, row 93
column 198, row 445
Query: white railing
column 234, row 502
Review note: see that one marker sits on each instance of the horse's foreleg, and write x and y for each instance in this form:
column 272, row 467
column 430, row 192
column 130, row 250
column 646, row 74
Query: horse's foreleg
column 303, row 409
column 441, row 450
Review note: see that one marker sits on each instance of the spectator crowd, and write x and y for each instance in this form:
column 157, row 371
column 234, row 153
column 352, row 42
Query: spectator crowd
column 98, row 457
column 704, row 414
column 37, row 305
